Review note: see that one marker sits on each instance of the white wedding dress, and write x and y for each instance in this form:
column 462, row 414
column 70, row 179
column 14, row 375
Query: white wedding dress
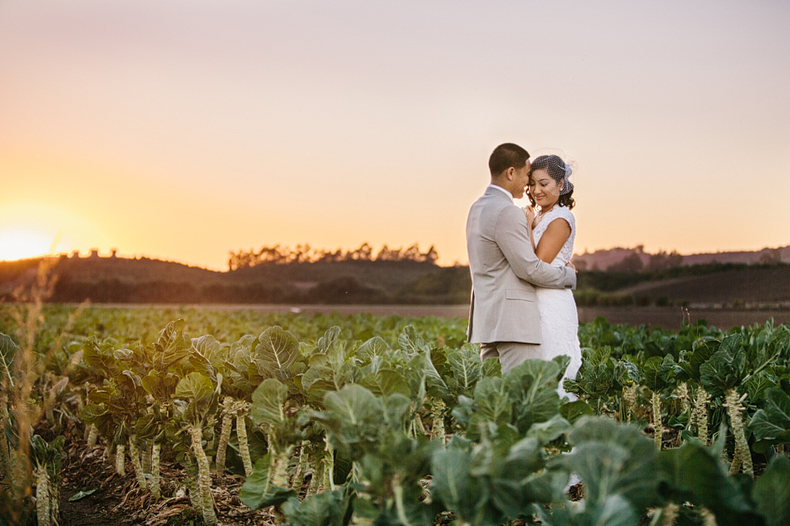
column 559, row 320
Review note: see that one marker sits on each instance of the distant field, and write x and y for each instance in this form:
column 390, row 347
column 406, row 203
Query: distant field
column 672, row 317
column 749, row 285
column 440, row 311
column 664, row 317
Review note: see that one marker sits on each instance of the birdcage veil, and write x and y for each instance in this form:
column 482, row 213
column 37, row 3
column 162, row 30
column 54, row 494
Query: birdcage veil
column 560, row 163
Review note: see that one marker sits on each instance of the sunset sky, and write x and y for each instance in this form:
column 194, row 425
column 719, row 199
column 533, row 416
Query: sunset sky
column 183, row 130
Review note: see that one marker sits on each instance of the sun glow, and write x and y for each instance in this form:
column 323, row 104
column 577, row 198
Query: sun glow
column 23, row 243
column 30, row 230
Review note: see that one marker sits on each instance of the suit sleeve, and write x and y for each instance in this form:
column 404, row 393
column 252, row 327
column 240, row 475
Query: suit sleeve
column 512, row 237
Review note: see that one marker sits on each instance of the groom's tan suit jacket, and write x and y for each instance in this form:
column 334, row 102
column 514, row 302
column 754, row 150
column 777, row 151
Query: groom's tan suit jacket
column 504, row 271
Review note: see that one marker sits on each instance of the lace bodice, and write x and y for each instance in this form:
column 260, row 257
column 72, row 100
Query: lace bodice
column 559, row 322
column 557, row 212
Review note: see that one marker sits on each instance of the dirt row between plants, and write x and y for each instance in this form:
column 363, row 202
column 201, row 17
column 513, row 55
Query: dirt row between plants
column 119, row 500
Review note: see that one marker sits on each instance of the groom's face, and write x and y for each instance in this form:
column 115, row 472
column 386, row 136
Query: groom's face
column 521, row 180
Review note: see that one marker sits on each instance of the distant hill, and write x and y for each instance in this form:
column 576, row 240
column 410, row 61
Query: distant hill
column 143, row 280
column 752, row 286
column 605, row 259
column 612, row 277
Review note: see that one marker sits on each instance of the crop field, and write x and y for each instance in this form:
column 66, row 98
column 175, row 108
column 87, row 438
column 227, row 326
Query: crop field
column 176, row 416
column 672, row 317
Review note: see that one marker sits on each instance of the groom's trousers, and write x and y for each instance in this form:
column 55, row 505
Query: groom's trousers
column 510, row 354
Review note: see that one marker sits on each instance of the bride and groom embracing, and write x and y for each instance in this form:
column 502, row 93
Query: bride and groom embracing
column 522, row 279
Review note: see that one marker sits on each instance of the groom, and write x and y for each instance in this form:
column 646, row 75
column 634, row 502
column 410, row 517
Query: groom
column 504, row 314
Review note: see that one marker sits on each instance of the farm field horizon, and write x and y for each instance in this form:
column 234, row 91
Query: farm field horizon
column 671, row 317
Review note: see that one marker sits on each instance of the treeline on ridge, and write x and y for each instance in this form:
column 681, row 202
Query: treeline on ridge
column 278, row 255
column 443, row 286
column 280, row 275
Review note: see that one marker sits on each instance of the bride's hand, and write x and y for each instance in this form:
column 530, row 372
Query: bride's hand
column 530, row 215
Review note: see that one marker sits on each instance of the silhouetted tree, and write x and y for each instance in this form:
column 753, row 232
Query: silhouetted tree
column 631, row 263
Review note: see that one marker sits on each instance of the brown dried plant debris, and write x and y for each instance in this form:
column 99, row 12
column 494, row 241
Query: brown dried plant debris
column 119, row 500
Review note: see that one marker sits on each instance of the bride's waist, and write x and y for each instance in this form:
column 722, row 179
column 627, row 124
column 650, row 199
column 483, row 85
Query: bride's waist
column 541, row 291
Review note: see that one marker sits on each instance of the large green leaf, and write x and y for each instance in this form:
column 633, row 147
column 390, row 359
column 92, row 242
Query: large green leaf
column 385, row 382
column 353, row 405
column 134, row 378
column 492, row 368
column 596, row 374
column 277, row 349
column 701, row 351
column 693, row 473
column 160, row 385
column 195, row 386
column 206, row 345
column 420, row 373
column 92, row 412
column 258, row 491
column 772, row 423
column 330, row 372
column 268, row 402
column 658, row 372
column 611, row 459
column 511, row 477
column 615, row 511
column 375, row 346
column 100, row 416
column 532, row 386
column 411, row 342
column 573, row 411
column 100, row 356
column 771, row 492
column 242, row 347
column 327, row 341
column 726, row 368
column 8, row 348
column 451, row 483
column 466, row 367
column 172, row 345
column 434, row 380
column 395, row 409
column 758, row 384
column 391, row 472
column 492, row 403
column 499, row 478
column 356, row 418
column 549, row 430
column 328, row 508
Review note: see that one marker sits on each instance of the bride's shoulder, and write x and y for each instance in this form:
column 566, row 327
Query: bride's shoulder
column 559, row 212
column 564, row 212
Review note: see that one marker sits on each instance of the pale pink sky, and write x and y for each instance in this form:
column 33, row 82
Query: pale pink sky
column 185, row 129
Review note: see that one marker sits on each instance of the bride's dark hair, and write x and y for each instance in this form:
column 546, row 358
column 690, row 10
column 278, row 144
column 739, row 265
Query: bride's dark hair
column 556, row 167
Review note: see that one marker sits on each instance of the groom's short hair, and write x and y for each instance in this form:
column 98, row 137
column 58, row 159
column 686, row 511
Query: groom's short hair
column 506, row 155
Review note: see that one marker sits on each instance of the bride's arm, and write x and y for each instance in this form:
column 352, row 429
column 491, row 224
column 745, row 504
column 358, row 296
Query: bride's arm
column 552, row 240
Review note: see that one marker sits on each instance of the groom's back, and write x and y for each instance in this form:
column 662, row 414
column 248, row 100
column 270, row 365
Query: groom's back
column 482, row 249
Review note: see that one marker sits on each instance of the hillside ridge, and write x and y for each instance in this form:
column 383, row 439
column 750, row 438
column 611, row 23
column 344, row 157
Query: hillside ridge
column 632, row 276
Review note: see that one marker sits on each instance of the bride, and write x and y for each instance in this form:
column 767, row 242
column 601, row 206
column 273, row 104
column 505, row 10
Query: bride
column 553, row 230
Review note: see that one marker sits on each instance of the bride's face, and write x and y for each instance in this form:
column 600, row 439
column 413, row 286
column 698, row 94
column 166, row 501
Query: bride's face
column 543, row 189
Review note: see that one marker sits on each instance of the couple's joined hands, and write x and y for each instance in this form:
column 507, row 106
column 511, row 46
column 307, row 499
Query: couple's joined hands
column 530, row 211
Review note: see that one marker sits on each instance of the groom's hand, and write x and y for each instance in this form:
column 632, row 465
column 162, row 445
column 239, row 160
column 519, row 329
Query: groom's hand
column 530, row 215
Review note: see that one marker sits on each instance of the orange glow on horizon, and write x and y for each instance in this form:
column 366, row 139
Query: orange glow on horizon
column 23, row 243
column 185, row 137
